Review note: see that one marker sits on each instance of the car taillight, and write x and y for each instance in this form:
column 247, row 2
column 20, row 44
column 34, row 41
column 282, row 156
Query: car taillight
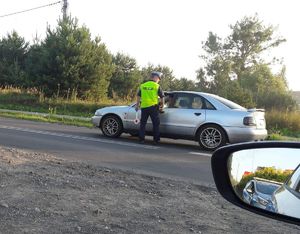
column 249, row 121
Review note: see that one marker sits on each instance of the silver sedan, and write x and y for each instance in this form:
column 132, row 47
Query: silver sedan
column 211, row 120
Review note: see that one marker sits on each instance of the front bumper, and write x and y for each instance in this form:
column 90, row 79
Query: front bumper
column 96, row 119
column 237, row 135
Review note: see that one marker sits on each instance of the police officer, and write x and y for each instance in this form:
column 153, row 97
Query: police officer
column 147, row 100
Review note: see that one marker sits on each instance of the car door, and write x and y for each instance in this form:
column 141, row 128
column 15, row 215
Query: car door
column 183, row 113
column 129, row 120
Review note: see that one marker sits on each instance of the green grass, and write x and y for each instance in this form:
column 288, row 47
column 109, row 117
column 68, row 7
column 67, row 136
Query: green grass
column 278, row 137
column 284, row 123
column 33, row 101
column 48, row 119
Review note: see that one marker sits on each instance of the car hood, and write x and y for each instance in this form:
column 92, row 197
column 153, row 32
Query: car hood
column 265, row 196
column 111, row 109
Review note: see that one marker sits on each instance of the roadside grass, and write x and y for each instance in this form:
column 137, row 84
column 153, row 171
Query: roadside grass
column 278, row 137
column 34, row 101
column 48, row 119
column 283, row 125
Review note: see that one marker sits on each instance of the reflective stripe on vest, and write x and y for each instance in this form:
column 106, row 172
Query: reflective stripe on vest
column 149, row 94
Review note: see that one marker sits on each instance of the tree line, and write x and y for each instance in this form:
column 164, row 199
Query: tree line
column 70, row 62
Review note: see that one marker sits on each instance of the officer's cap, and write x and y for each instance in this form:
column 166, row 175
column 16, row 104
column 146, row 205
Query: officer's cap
column 155, row 73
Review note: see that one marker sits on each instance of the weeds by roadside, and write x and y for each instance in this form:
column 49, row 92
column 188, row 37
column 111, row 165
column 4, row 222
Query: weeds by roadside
column 48, row 119
column 34, row 101
column 283, row 123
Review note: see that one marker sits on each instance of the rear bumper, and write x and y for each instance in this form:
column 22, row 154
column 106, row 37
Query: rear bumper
column 96, row 120
column 237, row 135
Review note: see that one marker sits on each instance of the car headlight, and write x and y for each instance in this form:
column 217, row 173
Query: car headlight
column 262, row 201
column 98, row 113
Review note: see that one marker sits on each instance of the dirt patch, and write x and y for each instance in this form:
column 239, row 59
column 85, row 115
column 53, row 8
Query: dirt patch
column 42, row 194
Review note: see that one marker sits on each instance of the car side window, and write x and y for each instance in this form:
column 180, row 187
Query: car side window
column 182, row 102
column 208, row 105
column 188, row 101
column 169, row 101
column 197, row 102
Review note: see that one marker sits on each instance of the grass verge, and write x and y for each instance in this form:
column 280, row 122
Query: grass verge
column 278, row 137
column 32, row 101
column 48, row 119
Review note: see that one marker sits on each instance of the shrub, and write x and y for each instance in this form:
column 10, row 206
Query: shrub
column 285, row 123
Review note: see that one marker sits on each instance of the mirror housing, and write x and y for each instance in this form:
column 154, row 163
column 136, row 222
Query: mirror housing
column 219, row 164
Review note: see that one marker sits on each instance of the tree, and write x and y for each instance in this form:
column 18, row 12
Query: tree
column 235, row 67
column 168, row 81
column 13, row 52
column 184, row 84
column 69, row 60
column 126, row 77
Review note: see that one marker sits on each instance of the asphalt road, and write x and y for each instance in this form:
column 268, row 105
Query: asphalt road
column 172, row 158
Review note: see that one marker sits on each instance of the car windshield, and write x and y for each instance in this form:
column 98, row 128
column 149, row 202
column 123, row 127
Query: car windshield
column 266, row 188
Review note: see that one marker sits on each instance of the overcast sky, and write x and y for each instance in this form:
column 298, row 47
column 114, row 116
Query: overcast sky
column 167, row 32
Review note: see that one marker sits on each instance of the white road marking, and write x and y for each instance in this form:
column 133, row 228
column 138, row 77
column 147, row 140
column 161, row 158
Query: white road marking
column 202, row 154
column 79, row 137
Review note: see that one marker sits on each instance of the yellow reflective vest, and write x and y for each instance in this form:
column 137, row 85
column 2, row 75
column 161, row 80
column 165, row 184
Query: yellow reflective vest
column 149, row 94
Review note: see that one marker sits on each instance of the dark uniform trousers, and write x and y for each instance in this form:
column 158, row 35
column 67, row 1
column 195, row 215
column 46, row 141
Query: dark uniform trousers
column 153, row 112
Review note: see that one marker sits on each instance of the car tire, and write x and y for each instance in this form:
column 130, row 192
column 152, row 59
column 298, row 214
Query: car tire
column 211, row 137
column 111, row 126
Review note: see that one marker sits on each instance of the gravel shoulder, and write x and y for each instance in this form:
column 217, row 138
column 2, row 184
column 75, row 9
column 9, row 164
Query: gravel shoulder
column 43, row 194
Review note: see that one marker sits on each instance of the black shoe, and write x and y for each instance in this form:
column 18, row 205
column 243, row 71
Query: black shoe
column 155, row 142
column 141, row 141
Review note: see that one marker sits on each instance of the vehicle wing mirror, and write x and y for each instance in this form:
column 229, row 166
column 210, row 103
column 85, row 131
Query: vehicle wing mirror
column 274, row 169
column 249, row 190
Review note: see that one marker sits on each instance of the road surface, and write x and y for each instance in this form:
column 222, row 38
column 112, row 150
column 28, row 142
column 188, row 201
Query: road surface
column 172, row 159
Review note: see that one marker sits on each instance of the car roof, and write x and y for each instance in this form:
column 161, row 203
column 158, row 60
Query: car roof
column 262, row 180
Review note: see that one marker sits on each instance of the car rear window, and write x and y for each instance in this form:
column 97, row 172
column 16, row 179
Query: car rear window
column 228, row 103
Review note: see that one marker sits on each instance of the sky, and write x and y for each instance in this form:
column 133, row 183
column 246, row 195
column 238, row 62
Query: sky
column 166, row 32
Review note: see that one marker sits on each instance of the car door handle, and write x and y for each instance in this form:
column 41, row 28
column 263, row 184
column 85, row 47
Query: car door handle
column 197, row 114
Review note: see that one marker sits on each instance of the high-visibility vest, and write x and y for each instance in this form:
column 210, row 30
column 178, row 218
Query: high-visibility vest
column 149, row 94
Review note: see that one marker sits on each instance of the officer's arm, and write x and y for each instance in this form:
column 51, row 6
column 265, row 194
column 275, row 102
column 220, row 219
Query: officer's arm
column 162, row 96
column 138, row 100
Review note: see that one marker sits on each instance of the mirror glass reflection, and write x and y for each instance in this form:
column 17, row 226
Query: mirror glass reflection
column 267, row 178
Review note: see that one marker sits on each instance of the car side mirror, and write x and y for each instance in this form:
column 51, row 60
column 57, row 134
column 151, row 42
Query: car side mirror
column 249, row 190
column 274, row 169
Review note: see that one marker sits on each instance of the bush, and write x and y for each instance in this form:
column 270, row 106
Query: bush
column 285, row 123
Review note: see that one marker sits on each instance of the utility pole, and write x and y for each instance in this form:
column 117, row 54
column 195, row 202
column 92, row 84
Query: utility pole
column 65, row 9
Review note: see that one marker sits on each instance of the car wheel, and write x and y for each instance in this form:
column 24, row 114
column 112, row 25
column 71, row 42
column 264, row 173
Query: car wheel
column 111, row 126
column 211, row 137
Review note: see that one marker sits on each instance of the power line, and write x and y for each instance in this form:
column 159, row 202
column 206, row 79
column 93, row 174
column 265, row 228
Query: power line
column 35, row 8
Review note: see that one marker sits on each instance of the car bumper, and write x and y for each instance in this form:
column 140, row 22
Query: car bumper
column 237, row 135
column 96, row 120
